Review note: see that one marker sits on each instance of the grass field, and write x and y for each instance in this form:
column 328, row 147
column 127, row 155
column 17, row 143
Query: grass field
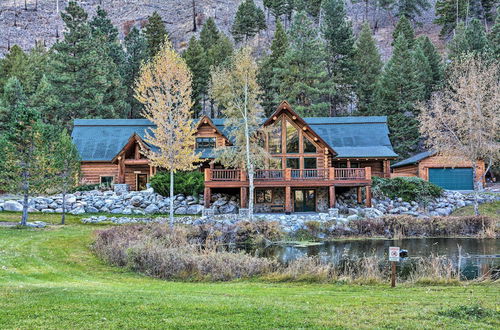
column 489, row 209
column 49, row 279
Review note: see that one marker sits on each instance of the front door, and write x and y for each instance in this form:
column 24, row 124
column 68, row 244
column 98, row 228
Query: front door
column 304, row 200
column 142, row 180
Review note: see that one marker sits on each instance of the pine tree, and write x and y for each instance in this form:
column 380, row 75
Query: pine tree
column 337, row 32
column 25, row 161
column 155, row 33
column 368, row 68
column 411, row 8
column 209, row 34
column 13, row 65
column 248, row 22
column 197, row 63
column 102, row 27
column 470, row 39
column 267, row 70
column 446, row 14
column 136, row 54
column 494, row 38
column 13, row 98
column 303, row 77
column 84, row 77
column 434, row 59
column 404, row 27
column 221, row 51
column 36, row 67
column 397, row 93
column 45, row 102
column 311, row 7
column 423, row 71
column 277, row 7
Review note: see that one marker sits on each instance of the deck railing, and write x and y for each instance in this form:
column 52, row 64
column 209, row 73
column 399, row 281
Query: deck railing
column 350, row 173
column 224, row 175
column 332, row 174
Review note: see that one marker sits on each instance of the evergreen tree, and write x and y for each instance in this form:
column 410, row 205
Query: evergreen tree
column 446, row 14
column 368, row 68
column 221, row 51
column 277, row 7
column 267, row 70
column 196, row 61
column 337, row 31
column 248, row 22
column 45, row 102
column 311, row 7
column 397, row 93
column 469, row 40
column 136, row 54
column 411, row 8
column 434, row 59
column 84, row 77
column 13, row 65
column 404, row 27
column 209, row 34
column 13, row 98
column 494, row 38
column 102, row 27
column 303, row 77
column 25, row 161
column 423, row 71
column 155, row 33
column 36, row 67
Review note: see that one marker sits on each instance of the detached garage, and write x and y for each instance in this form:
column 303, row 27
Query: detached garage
column 448, row 173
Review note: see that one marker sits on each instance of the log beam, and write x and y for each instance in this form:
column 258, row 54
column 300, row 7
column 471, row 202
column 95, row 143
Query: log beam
column 359, row 195
column 368, row 201
column 288, row 199
column 243, row 197
column 207, row 196
column 333, row 200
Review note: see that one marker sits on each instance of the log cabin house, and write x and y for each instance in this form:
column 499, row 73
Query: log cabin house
column 313, row 158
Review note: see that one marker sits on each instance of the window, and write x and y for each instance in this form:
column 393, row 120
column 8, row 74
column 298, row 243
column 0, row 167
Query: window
column 292, row 139
column 275, row 138
column 354, row 165
column 309, row 147
column 263, row 196
column 107, row 180
column 310, row 163
column 292, row 163
column 205, row 143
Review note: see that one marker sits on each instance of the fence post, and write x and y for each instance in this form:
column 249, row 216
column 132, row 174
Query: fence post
column 368, row 173
column 208, row 174
column 243, row 175
column 331, row 173
column 288, row 174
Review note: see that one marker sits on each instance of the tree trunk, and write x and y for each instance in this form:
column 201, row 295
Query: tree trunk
column 171, row 198
column 63, row 215
column 248, row 156
column 477, row 187
column 24, row 218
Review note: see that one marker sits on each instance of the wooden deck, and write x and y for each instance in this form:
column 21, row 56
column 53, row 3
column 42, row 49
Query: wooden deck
column 234, row 178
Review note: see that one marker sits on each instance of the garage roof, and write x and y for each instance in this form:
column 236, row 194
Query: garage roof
column 414, row 159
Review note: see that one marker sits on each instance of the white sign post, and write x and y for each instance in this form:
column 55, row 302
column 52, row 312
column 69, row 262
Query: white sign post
column 393, row 258
column 394, row 253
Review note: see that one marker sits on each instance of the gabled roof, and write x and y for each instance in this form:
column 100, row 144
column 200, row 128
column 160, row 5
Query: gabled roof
column 348, row 137
column 103, row 139
column 414, row 159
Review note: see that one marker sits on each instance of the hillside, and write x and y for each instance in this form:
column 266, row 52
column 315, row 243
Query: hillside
column 40, row 21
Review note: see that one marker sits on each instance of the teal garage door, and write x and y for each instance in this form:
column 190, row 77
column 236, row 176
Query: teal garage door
column 452, row 178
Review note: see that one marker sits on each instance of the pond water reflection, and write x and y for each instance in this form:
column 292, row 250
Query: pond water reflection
column 475, row 253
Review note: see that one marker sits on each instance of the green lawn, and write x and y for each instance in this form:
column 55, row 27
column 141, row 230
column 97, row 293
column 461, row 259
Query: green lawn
column 49, row 279
column 490, row 209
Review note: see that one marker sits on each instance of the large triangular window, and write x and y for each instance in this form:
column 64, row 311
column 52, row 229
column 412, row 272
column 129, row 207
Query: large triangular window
column 309, row 147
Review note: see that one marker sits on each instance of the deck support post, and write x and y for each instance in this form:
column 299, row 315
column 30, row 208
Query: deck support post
column 207, row 196
column 243, row 197
column 333, row 200
column 121, row 169
column 360, row 197
column 368, row 200
column 288, row 200
column 387, row 168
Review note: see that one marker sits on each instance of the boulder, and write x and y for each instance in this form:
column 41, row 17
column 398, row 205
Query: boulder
column 136, row 201
column 181, row 210
column 194, row 209
column 151, row 209
column 12, row 206
column 77, row 211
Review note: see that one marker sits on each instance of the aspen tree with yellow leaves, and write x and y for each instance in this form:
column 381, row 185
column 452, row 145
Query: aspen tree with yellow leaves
column 235, row 90
column 164, row 88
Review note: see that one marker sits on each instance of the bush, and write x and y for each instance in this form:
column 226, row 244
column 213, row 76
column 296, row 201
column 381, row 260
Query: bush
column 187, row 183
column 89, row 187
column 409, row 189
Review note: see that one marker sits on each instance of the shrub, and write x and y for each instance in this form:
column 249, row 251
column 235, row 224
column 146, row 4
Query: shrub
column 409, row 189
column 187, row 183
column 89, row 187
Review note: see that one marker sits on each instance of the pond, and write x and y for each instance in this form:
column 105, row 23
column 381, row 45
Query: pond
column 476, row 254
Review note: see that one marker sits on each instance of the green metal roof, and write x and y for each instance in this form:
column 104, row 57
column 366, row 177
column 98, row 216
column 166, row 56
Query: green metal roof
column 414, row 159
column 350, row 137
